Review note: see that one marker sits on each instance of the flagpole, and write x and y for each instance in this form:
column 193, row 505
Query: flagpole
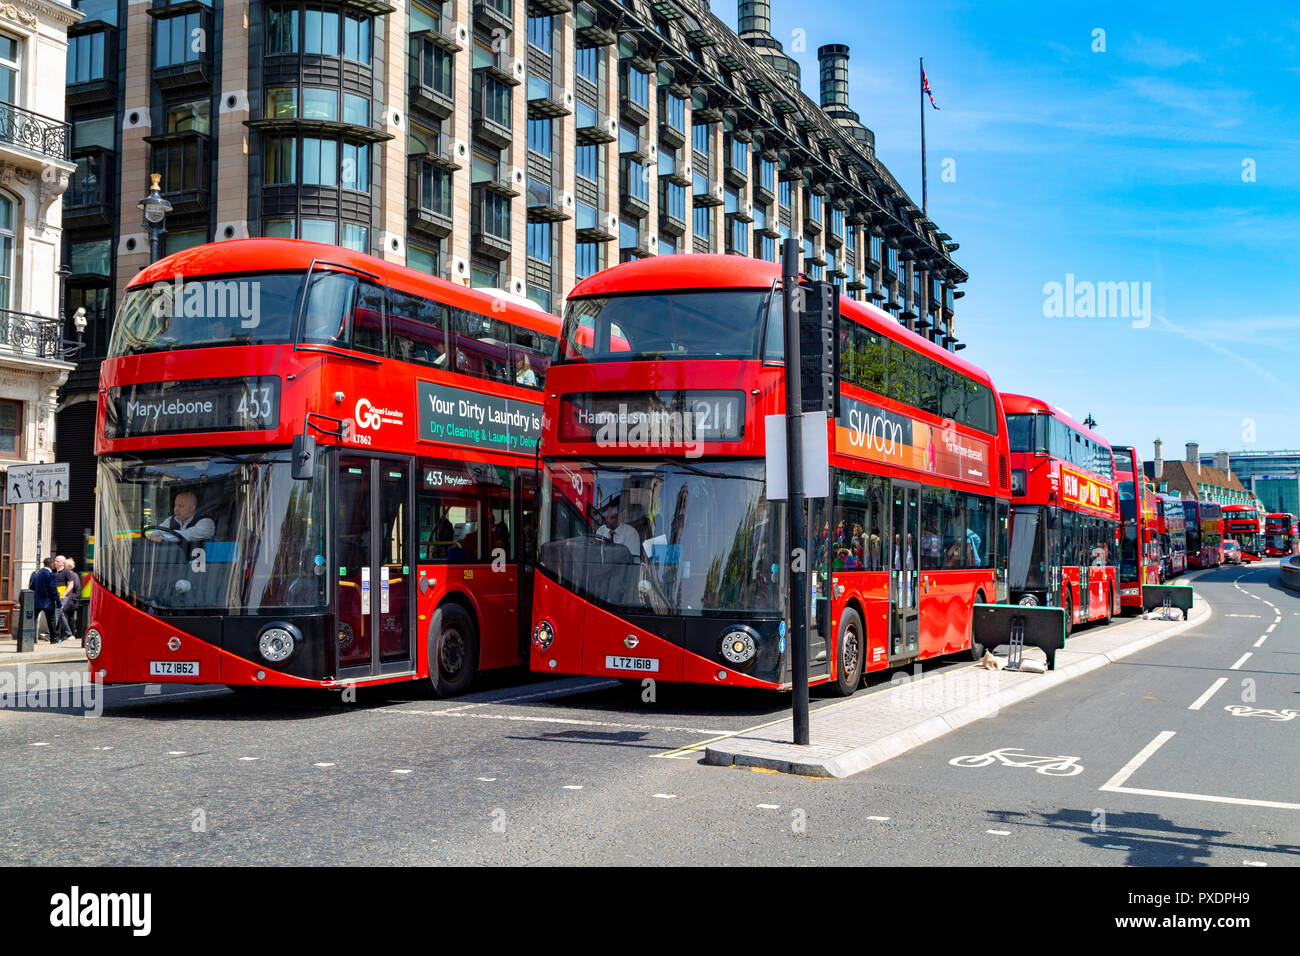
column 924, row 203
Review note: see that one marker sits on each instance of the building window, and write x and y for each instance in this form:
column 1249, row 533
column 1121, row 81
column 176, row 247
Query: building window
column 9, row 50
column 356, row 39
column 320, row 230
column 539, row 241
column 281, row 160
column 356, row 109
column 672, row 199
column 493, row 214
column 539, row 137
column 185, row 239
column 587, row 63
column 587, row 258
column 354, row 237
column 85, row 58
column 635, row 86
column 320, row 104
column 91, row 258
column 739, row 237
column 701, row 137
column 629, row 233
column 281, row 30
column 766, row 174
column 539, row 33
column 422, row 260
column 636, row 180
column 8, row 238
column 320, row 32
column 783, row 194
column 588, row 163
column 701, row 222
column 11, row 428
column 738, row 155
column 282, row 102
column 674, row 111
column 177, row 40
column 355, row 173
column 320, row 162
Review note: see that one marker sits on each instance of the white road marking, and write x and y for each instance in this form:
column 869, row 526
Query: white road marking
column 1116, row 846
column 881, row 819
column 250, row 758
column 1269, row 629
column 152, row 690
column 769, row 806
column 41, row 743
column 322, row 765
column 1260, row 641
column 1237, row 666
column 527, row 718
column 401, row 771
column 176, row 753
column 1253, row 863
column 666, row 796
column 573, row 786
column 1256, row 616
column 183, row 694
column 999, row 832
column 1200, row 701
column 1116, row 783
column 486, row 779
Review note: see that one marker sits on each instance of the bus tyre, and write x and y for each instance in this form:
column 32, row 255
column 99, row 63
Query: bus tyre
column 453, row 650
column 976, row 649
column 1068, row 607
column 851, row 649
column 1110, row 606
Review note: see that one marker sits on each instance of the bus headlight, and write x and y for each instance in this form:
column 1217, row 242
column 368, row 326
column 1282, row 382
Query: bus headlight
column 543, row 635
column 94, row 644
column 739, row 646
column 277, row 642
column 1028, row 600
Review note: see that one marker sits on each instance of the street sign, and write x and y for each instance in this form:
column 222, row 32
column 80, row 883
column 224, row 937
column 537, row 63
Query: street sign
column 28, row 484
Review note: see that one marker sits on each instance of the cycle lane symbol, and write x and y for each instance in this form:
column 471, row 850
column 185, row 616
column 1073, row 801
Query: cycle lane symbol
column 1058, row 766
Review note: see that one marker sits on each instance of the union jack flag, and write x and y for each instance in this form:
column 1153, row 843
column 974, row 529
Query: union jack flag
column 925, row 88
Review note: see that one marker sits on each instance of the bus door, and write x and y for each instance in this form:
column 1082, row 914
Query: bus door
column 819, row 585
column 526, row 542
column 372, row 530
column 904, row 600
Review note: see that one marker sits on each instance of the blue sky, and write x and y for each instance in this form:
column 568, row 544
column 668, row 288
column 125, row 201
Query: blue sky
column 1117, row 166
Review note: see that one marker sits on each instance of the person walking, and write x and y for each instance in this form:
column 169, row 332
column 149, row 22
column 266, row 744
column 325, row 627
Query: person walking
column 68, row 583
column 47, row 597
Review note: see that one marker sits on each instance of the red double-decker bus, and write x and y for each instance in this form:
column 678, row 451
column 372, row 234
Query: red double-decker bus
column 660, row 554
column 1204, row 533
column 316, row 468
column 1065, row 513
column 1244, row 524
column 1281, row 534
column 1139, row 551
column 1173, row 536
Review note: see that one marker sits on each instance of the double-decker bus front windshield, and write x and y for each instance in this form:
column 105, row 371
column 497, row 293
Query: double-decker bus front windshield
column 1128, row 546
column 207, row 311
column 721, row 324
column 664, row 537
column 222, row 533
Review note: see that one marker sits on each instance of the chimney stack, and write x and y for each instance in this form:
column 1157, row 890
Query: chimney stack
column 834, row 60
column 754, row 24
column 1221, row 460
column 755, row 17
column 1158, row 469
column 1194, row 455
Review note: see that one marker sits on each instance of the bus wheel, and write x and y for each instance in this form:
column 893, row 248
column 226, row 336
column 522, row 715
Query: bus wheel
column 1110, row 606
column 851, row 652
column 1069, row 613
column 453, row 650
column 976, row 649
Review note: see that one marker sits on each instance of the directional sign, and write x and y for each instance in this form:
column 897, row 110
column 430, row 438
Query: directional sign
column 27, row 484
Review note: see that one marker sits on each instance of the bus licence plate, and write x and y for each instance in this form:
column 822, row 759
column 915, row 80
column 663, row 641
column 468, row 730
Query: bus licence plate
column 646, row 664
column 173, row 668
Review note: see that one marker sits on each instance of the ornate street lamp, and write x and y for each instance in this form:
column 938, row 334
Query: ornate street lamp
column 155, row 209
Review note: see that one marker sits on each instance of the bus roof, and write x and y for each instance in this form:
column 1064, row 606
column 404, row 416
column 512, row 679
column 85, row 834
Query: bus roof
column 1027, row 405
column 235, row 256
column 692, row 271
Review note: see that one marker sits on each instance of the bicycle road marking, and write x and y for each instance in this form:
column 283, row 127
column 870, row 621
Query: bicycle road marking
column 1116, row 783
column 1005, row 757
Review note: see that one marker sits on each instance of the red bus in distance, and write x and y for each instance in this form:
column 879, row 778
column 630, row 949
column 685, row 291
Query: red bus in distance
column 1244, row 524
column 1173, row 536
column 1139, row 550
column 1065, row 513
column 1204, row 533
column 395, row 549
column 1281, row 534
column 660, row 554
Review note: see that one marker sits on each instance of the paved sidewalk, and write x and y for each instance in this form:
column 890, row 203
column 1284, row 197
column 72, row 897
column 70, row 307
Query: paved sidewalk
column 44, row 653
column 865, row 731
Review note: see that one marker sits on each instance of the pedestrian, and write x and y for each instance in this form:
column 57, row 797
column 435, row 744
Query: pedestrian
column 47, row 597
column 68, row 583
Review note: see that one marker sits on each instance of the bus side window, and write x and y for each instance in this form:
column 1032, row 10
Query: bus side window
column 368, row 319
column 482, row 345
column 329, row 309
column 530, row 356
column 417, row 329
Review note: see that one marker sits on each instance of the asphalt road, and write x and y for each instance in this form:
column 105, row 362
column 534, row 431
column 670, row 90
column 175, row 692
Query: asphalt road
column 1186, row 755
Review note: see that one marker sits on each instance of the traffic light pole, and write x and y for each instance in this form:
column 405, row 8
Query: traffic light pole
column 793, row 301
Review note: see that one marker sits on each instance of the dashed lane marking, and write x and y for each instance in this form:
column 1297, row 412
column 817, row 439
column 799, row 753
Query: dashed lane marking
column 1201, row 701
column 1241, row 660
column 1116, row 783
column 1262, row 639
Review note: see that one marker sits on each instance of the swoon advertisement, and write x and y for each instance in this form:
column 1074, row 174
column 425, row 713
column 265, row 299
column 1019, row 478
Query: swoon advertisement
column 876, row 434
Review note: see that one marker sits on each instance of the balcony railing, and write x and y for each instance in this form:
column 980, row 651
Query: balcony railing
column 34, row 132
column 39, row 335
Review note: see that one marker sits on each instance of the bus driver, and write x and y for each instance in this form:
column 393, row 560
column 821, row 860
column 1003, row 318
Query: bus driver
column 185, row 521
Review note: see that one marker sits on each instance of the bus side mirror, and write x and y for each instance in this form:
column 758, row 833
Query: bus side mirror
column 304, row 456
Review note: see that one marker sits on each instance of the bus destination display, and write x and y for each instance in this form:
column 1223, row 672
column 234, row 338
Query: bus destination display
column 197, row 405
